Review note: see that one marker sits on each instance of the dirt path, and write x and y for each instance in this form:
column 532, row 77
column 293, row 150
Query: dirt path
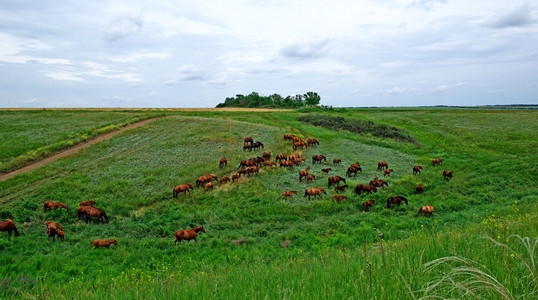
column 72, row 150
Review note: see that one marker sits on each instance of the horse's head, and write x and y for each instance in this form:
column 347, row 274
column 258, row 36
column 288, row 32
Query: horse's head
column 202, row 229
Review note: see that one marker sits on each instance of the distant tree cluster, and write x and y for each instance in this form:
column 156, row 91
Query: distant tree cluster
column 274, row 101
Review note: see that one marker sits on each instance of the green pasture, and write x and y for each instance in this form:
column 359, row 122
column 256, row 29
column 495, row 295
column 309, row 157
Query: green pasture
column 257, row 244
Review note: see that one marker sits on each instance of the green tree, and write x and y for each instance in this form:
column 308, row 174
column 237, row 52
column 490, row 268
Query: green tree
column 312, row 98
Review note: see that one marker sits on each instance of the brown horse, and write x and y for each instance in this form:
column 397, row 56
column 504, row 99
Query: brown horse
column 447, row 174
column 281, row 157
column 426, row 210
column 224, row 179
column 188, row 235
column 326, row 170
column 310, row 177
column 365, row 188
column 293, row 156
column 87, row 203
column 223, row 162
column 387, row 172
column 48, row 205
column 318, row 158
column 288, row 137
column 312, row 142
column 266, row 155
column 242, row 172
column 298, row 144
column 288, row 194
column 97, row 213
column 53, row 230
column 182, row 188
column 269, row 163
column 287, row 163
column 303, row 173
column 202, row 180
column 337, row 161
column 248, row 140
column 209, row 186
column 436, row 161
column 352, row 170
column 379, row 183
column 81, row 211
column 252, row 170
column 367, row 204
column 341, row 188
column 419, row 189
column 9, row 226
column 396, row 200
column 315, row 192
column 235, row 177
column 382, row 165
column 104, row 243
column 416, row 170
column 339, row 198
column 335, row 180
column 296, row 139
column 61, row 235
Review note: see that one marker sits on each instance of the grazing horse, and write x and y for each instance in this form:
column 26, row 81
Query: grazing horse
column 248, row 140
column 104, row 243
column 288, row 194
column 310, row 177
column 188, row 235
column 82, row 211
column 287, row 163
column 416, row 169
column 182, row 188
column 242, row 172
column 281, row 157
column 314, row 191
column 335, row 180
column 337, row 161
column 252, row 170
column 53, row 230
column 224, row 179
column 61, row 235
column 318, row 158
column 269, row 163
column 257, row 145
column 382, row 165
column 396, row 200
column 303, row 173
column 352, row 170
column 293, row 156
column 48, row 205
column 235, row 177
column 365, row 188
column 426, row 210
column 288, row 137
column 312, row 142
column 419, row 189
column 387, row 172
column 436, row 161
column 97, row 213
column 341, row 188
column 266, row 155
column 247, row 147
column 87, row 203
column 296, row 139
column 223, row 162
column 379, row 183
column 298, row 144
column 339, row 198
column 209, row 186
column 447, row 174
column 326, row 170
column 9, row 226
column 367, row 204
column 202, row 180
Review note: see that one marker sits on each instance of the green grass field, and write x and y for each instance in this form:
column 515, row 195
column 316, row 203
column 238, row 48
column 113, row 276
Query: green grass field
column 334, row 249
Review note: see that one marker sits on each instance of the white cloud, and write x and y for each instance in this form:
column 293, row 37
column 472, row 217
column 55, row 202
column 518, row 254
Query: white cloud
column 517, row 16
column 425, row 4
column 306, row 49
column 123, row 27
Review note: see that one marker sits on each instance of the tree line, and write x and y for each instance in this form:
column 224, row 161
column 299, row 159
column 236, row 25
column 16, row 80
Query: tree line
column 273, row 101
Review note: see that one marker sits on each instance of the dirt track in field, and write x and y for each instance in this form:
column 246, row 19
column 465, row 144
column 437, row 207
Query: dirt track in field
column 72, row 150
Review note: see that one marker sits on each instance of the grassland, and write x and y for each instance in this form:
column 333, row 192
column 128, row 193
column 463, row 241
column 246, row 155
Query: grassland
column 333, row 248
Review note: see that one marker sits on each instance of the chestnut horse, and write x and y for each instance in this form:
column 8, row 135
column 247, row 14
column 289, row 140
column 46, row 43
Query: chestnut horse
column 318, row 158
column 287, row 163
column 365, row 188
column 396, row 200
column 235, row 177
column 341, row 188
column 337, row 161
column 447, row 174
column 312, row 142
column 314, row 191
column 266, row 155
column 367, row 204
column 209, row 186
column 288, row 194
column 9, row 226
column 104, row 243
column 186, row 187
column 248, row 140
column 387, row 172
column 82, row 211
column 97, row 213
column 310, row 177
column 257, row 145
column 269, row 163
column 298, row 144
column 419, row 189
column 281, row 157
column 339, row 198
column 202, row 180
column 379, row 183
column 426, row 210
column 224, row 179
column 326, row 170
column 188, row 235
column 416, row 170
column 87, row 203
column 223, row 162
column 382, row 165
column 288, row 137
column 352, row 170
column 335, row 180
column 436, row 161
column 48, row 205
column 303, row 173
column 53, row 230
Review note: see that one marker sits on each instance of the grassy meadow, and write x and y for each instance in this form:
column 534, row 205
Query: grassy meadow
column 258, row 245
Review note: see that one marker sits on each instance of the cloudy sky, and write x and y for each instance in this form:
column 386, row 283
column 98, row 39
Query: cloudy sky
column 197, row 53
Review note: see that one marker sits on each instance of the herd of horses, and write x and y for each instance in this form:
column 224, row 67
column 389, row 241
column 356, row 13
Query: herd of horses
column 88, row 212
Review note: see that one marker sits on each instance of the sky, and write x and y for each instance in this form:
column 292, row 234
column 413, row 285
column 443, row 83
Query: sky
column 353, row 53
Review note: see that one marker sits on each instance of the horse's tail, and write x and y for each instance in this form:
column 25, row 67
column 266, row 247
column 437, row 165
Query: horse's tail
column 91, row 243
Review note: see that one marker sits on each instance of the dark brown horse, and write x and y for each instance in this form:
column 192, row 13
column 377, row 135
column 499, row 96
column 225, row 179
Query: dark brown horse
column 318, row 158
column 339, row 198
column 223, row 162
column 416, row 170
column 303, row 173
column 87, row 203
column 288, row 137
column 82, row 211
column 266, row 156
column 335, row 180
column 337, row 161
column 326, row 170
column 257, row 145
column 352, row 170
column 48, row 205
column 436, row 161
column 365, row 188
column 9, row 226
column 314, row 192
column 202, row 180
column 367, row 204
column 312, row 142
column 288, row 194
column 341, row 188
column 188, row 235
column 426, row 210
column 387, row 172
column 310, row 177
column 224, row 179
column 281, row 157
column 252, row 170
column 447, row 174
column 248, row 140
column 235, row 177
column 382, row 165
column 182, row 188
column 419, row 189
column 379, row 183
column 104, row 243
column 396, row 200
